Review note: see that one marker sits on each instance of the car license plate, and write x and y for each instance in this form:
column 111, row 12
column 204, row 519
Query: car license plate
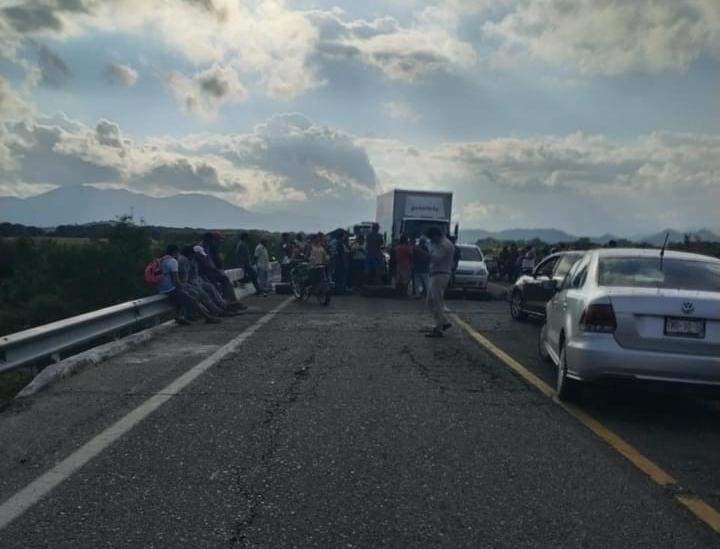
column 685, row 327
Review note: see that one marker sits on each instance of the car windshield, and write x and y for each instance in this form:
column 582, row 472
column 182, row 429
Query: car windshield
column 647, row 272
column 470, row 253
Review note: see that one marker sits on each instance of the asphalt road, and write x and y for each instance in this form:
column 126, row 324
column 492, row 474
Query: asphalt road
column 345, row 427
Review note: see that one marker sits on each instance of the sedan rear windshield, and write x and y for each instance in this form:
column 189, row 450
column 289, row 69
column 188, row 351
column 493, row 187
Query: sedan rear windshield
column 468, row 253
column 647, row 272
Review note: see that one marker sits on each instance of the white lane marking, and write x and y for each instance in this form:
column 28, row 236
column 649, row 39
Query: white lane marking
column 17, row 504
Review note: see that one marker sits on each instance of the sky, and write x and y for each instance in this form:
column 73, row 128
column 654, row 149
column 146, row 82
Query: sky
column 590, row 116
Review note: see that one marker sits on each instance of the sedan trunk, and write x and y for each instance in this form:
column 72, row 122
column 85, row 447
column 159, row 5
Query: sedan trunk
column 665, row 320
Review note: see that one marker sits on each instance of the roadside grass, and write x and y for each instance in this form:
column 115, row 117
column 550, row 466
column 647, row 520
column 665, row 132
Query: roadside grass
column 11, row 383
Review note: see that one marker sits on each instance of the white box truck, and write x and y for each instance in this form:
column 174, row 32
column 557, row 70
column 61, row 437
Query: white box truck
column 412, row 212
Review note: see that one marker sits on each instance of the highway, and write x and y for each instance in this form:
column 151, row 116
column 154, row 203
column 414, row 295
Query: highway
column 296, row 425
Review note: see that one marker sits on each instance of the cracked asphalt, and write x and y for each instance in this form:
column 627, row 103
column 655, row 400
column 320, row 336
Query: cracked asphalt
column 330, row 427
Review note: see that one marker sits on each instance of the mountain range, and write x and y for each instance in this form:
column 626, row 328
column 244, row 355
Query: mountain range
column 83, row 204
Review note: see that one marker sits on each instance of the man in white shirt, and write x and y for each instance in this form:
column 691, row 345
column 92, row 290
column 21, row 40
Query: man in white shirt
column 442, row 253
column 262, row 266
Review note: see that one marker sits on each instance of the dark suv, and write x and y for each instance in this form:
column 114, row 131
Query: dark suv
column 531, row 292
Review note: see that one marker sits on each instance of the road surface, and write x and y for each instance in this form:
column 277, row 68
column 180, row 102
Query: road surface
column 345, row 427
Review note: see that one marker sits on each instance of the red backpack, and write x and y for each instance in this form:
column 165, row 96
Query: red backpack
column 153, row 272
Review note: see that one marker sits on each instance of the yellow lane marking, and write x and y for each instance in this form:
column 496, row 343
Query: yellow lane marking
column 708, row 514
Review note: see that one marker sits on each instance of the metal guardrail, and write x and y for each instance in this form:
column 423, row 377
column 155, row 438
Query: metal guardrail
column 49, row 340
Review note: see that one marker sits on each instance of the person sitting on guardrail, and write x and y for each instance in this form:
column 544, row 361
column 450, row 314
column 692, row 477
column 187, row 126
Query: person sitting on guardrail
column 210, row 266
column 198, row 288
column 171, row 286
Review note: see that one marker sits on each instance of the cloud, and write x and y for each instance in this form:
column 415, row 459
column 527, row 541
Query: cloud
column 609, row 37
column 12, row 105
column 288, row 159
column 54, row 73
column 591, row 182
column 123, row 75
column 49, row 155
column 182, row 175
column 401, row 111
column 401, row 53
column 207, row 91
column 108, row 134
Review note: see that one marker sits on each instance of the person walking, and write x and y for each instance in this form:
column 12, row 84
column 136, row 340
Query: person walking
column 442, row 253
column 262, row 266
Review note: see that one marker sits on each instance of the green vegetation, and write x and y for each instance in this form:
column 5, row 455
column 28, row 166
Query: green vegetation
column 50, row 275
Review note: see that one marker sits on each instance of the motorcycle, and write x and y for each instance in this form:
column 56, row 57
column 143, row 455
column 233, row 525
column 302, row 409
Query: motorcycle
column 306, row 280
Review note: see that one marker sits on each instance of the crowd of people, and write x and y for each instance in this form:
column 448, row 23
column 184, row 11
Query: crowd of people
column 193, row 276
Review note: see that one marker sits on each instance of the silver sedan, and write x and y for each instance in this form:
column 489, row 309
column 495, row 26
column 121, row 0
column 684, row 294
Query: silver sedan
column 634, row 313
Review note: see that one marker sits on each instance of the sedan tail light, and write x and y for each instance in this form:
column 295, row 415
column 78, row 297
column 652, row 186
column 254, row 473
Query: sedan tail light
column 599, row 318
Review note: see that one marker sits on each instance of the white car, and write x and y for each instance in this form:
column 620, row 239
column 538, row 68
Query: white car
column 630, row 313
column 472, row 273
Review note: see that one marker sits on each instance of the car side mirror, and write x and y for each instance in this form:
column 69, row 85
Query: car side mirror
column 552, row 285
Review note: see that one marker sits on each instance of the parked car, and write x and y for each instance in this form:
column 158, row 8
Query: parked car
column 531, row 292
column 472, row 273
column 635, row 314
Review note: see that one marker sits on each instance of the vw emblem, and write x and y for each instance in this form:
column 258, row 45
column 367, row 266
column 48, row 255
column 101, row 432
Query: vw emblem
column 688, row 307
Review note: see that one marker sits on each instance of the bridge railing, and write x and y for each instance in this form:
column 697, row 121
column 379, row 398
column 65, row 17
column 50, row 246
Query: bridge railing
column 50, row 340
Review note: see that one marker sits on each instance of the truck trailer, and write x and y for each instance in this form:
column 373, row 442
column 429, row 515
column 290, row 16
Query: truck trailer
column 413, row 212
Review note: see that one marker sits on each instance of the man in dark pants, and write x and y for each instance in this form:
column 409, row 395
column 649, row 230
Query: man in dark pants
column 210, row 268
column 243, row 254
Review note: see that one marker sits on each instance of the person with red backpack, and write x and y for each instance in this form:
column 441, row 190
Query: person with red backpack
column 165, row 272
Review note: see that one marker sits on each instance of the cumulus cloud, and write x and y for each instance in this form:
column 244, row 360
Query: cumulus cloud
column 287, row 159
column 592, row 180
column 207, row 91
column 123, row 75
column 54, row 72
column 609, row 37
column 403, row 53
column 12, row 105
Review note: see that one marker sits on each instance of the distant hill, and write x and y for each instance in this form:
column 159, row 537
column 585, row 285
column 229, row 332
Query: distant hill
column 83, row 204
column 553, row 236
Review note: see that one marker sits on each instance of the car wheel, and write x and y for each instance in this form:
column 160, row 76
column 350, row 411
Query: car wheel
column 516, row 306
column 542, row 351
column 568, row 390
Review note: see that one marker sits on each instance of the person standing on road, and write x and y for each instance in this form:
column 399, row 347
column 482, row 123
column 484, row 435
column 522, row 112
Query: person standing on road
column 403, row 253
column 243, row 255
column 357, row 262
column 421, row 268
column 286, row 254
column 374, row 259
column 262, row 265
column 442, row 254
